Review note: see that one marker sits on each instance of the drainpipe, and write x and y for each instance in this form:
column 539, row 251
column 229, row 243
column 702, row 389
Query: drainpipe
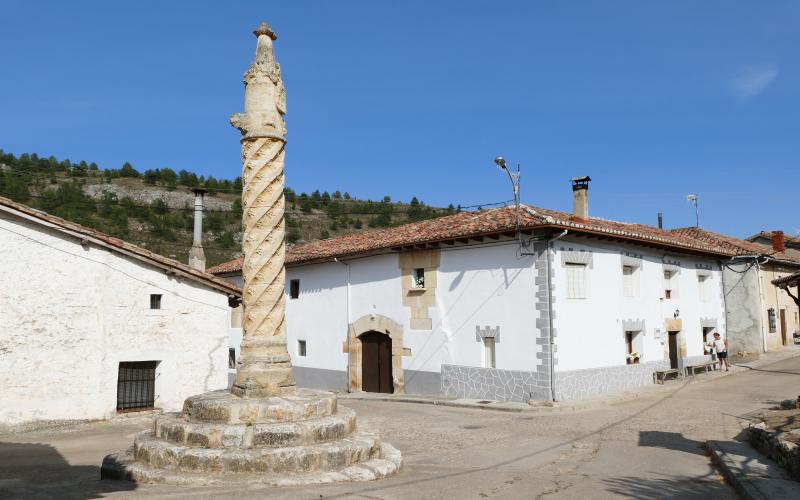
column 761, row 309
column 347, row 301
column 550, row 314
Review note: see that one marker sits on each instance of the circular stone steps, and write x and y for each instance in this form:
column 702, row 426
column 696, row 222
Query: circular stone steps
column 123, row 467
column 178, row 430
column 221, row 438
column 358, row 447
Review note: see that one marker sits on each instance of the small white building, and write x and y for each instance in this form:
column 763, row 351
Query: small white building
column 91, row 325
column 481, row 305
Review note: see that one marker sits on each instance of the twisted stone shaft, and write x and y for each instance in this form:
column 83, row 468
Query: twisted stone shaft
column 264, row 367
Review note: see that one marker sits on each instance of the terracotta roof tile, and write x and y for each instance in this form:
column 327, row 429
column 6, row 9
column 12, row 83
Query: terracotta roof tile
column 116, row 244
column 792, row 240
column 733, row 245
column 472, row 224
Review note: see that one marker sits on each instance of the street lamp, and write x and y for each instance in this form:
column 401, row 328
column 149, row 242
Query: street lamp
column 514, row 178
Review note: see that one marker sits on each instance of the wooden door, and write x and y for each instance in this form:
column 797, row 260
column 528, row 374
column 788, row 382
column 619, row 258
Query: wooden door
column 673, row 350
column 376, row 363
column 783, row 327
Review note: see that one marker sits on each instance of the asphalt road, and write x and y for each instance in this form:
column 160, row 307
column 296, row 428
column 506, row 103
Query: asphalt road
column 647, row 447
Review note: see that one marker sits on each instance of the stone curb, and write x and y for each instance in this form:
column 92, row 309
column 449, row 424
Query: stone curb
column 739, row 481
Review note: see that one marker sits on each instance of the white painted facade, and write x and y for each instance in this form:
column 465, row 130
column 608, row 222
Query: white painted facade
column 590, row 331
column 71, row 312
column 496, row 286
column 467, row 295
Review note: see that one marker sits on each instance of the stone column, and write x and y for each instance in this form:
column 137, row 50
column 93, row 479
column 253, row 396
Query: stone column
column 264, row 367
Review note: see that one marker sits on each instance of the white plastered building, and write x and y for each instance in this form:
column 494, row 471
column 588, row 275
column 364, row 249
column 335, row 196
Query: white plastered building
column 468, row 305
column 91, row 325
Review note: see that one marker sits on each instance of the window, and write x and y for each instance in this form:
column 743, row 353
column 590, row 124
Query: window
column 576, row 281
column 294, row 289
column 419, row 278
column 670, row 284
column 488, row 352
column 231, row 357
column 301, row 347
column 632, row 346
column 136, row 383
column 628, row 281
column 237, row 316
column 773, row 320
column 702, row 286
column 155, row 301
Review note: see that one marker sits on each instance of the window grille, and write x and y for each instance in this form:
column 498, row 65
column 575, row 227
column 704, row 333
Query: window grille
column 136, row 385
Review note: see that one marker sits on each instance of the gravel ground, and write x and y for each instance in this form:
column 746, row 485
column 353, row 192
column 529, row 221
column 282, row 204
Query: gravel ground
column 645, row 447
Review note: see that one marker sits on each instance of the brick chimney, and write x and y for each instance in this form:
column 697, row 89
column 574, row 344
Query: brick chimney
column 197, row 258
column 580, row 197
column 778, row 241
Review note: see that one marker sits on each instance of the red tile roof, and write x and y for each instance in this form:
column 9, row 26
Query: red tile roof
column 734, row 245
column 120, row 246
column 788, row 281
column 790, row 240
column 489, row 222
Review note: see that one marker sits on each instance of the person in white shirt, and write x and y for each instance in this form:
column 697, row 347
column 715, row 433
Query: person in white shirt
column 721, row 348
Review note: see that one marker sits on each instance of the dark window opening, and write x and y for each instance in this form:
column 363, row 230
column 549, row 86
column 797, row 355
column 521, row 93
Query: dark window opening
column 136, row 383
column 301, row 347
column 294, row 289
column 155, row 301
column 773, row 320
column 231, row 358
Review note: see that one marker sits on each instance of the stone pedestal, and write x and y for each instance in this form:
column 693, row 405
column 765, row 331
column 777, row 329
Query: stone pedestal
column 220, row 438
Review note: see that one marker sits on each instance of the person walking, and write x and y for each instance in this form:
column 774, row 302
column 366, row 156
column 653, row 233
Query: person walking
column 721, row 348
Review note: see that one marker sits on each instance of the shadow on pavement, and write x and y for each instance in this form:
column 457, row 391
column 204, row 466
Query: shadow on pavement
column 687, row 487
column 670, row 441
column 39, row 471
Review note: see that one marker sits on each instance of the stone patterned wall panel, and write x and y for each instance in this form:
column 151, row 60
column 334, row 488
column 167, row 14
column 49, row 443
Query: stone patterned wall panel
column 493, row 384
column 576, row 384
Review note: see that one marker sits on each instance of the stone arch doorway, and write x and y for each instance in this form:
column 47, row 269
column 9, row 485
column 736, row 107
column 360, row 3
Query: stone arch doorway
column 353, row 346
column 376, row 362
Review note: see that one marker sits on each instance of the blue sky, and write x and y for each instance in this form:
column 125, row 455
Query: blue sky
column 653, row 100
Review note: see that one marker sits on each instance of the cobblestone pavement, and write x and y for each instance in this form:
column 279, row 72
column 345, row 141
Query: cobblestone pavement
column 645, row 447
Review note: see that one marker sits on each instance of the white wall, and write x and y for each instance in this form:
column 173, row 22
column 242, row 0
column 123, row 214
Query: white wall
column 589, row 332
column 486, row 286
column 69, row 314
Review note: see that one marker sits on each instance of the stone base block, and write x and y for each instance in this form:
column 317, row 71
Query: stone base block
column 122, row 466
column 227, row 408
column 177, row 429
